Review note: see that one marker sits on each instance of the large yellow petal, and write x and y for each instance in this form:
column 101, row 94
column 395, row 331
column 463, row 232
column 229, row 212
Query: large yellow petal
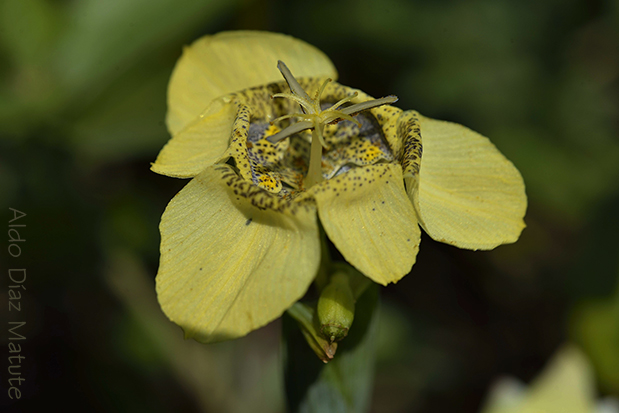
column 228, row 267
column 369, row 218
column 200, row 144
column 232, row 61
column 469, row 194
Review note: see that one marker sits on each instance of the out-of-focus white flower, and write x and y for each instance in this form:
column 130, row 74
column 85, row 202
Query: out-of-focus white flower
column 567, row 385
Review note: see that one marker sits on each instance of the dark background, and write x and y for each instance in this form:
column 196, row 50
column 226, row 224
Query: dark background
column 82, row 108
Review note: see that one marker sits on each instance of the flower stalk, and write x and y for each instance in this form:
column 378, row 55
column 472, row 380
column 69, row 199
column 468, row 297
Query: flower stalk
column 314, row 173
column 305, row 317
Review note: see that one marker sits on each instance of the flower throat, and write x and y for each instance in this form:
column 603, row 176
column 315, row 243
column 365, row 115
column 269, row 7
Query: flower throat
column 315, row 118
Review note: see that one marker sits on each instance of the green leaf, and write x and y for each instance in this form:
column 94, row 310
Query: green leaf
column 345, row 383
column 126, row 121
column 105, row 38
column 29, row 28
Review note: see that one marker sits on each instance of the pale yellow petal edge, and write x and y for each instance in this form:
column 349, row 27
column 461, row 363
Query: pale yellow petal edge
column 469, row 194
column 228, row 62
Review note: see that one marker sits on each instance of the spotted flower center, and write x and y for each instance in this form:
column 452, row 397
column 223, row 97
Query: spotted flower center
column 315, row 117
column 285, row 146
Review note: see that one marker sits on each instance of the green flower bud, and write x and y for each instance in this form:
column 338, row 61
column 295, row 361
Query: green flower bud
column 336, row 308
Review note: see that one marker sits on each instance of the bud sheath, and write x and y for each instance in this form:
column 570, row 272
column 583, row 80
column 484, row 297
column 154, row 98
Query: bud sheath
column 336, row 308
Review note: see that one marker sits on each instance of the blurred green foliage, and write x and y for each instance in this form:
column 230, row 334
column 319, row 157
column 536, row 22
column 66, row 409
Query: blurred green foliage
column 82, row 107
column 596, row 326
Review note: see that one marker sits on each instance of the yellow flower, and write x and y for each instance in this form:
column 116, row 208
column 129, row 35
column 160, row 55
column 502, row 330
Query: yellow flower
column 240, row 243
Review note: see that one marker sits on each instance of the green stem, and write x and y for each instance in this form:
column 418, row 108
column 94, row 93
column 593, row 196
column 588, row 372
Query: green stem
column 304, row 315
column 324, row 270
